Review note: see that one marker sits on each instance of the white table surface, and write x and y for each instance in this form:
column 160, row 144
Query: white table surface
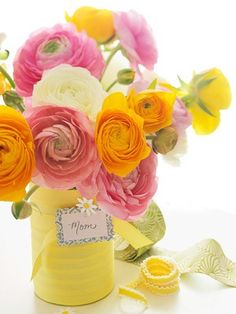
column 198, row 293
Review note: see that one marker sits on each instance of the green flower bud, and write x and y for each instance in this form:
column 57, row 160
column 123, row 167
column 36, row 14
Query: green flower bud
column 165, row 140
column 4, row 54
column 125, row 76
column 12, row 99
column 21, row 210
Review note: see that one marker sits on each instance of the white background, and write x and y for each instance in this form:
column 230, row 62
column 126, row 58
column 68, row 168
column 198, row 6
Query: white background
column 191, row 35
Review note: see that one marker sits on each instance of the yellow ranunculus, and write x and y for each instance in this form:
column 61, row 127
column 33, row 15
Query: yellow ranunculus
column 16, row 154
column 97, row 23
column 202, row 122
column 155, row 107
column 207, row 94
column 4, row 84
column 119, row 136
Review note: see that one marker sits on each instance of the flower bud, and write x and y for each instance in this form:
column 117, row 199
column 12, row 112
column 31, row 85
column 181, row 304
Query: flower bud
column 125, row 76
column 21, row 210
column 4, row 54
column 12, row 99
column 165, row 140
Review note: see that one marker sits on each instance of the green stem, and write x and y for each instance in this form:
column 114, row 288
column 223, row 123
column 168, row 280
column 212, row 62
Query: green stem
column 113, row 52
column 31, row 191
column 111, row 85
column 111, row 55
column 7, row 76
column 20, row 107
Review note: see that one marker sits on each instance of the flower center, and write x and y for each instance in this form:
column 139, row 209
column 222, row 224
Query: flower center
column 86, row 205
column 147, row 106
column 119, row 137
column 51, row 46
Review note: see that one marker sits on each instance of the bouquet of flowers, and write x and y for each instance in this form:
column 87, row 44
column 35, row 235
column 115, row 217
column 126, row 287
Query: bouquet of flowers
column 63, row 127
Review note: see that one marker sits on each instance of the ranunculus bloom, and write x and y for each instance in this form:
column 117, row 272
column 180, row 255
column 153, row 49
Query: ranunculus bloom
column 97, row 23
column 16, row 155
column 181, row 117
column 64, row 146
column 209, row 93
column 119, row 136
column 128, row 197
column 136, row 39
column 70, row 86
column 155, row 107
column 50, row 47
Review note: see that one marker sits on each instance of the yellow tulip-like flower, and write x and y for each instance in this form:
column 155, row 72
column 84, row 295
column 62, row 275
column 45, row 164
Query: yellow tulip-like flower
column 97, row 23
column 155, row 107
column 4, row 84
column 16, row 154
column 208, row 93
column 119, row 136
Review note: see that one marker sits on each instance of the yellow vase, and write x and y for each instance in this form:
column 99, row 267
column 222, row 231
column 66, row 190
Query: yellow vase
column 71, row 275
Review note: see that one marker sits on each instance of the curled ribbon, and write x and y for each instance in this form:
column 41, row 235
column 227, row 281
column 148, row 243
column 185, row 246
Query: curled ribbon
column 160, row 275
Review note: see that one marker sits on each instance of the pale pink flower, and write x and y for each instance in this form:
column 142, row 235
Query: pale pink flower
column 128, row 198
column 65, row 149
column 136, row 38
column 182, row 118
column 49, row 47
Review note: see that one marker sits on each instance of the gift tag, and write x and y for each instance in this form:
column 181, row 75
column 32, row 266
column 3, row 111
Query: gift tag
column 82, row 224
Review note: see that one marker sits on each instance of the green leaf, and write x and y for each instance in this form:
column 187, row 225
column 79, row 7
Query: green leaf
column 184, row 85
column 204, row 107
column 153, row 84
column 205, row 83
column 187, row 100
column 198, row 77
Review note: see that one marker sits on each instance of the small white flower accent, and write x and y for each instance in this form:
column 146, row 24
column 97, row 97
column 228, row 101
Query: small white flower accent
column 86, row 206
column 65, row 311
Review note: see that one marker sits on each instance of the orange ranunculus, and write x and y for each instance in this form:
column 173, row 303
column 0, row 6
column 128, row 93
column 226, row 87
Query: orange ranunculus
column 155, row 107
column 119, row 136
column 97, row 23
column 16, row 154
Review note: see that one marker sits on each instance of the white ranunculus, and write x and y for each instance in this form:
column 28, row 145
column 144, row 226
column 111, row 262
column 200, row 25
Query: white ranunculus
column 70, row 86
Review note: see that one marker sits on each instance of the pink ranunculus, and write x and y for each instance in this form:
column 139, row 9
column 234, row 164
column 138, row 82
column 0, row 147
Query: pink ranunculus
column 128, row 198
column 49, row 47
column 182, row 118
column 65, row 149
column 136, row 38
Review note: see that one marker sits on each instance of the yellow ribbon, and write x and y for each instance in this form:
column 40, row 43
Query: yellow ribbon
column 123, row 228
column 131, row 234
column 160, row 275
column 49, row 239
